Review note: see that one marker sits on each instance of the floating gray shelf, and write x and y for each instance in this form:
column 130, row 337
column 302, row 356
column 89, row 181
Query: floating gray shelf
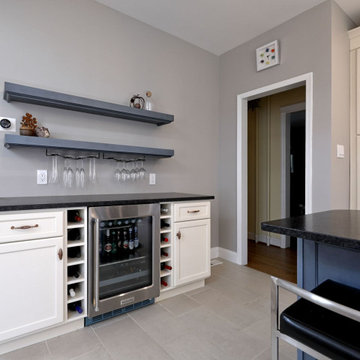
column 74, row 145
column 31, row 95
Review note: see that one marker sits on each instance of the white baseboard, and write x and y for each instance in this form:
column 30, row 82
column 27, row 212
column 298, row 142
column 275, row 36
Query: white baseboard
column 224, row 254
column 214, row 252
column 228, row 255
column 273, row 241
column 43, row 335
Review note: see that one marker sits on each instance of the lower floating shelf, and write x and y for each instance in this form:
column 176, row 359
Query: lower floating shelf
column 50, row 143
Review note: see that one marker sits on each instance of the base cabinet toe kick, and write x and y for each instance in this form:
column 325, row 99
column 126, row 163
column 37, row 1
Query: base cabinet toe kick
column 44, row 265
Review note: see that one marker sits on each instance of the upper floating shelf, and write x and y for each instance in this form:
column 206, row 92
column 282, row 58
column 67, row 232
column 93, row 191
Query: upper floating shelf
column 31, row 95
column 74, row 145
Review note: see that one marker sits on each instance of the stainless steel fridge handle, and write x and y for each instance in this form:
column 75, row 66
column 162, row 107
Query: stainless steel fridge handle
column 96, row 262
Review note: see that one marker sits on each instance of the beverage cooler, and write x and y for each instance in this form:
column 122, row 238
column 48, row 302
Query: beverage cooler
column 123, row 256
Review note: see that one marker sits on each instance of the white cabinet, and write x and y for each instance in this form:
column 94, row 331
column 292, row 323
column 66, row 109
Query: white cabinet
column 184, row 245
column 31, row 283
column 31, row 271
column 192, row 251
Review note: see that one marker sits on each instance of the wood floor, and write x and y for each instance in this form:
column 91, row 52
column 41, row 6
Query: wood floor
column 272, row 260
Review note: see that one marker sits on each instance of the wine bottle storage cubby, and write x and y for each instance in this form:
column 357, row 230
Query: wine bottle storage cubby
column 165, row 211
column 76, row 270
column 75, row 218
column 166, row 246
column 165, row 225
column 165, row 240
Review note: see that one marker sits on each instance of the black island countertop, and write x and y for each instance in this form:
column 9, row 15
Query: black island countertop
column 339, row 228
column 47, row 202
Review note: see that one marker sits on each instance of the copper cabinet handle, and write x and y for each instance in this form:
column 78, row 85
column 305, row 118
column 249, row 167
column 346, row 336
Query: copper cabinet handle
column 60, row 254
column 24, row 227
column 178, row 235
column 193, row 211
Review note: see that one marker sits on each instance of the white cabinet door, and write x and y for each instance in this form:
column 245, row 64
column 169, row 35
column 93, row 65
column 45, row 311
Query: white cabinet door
column 192, row 251
column 31, row 283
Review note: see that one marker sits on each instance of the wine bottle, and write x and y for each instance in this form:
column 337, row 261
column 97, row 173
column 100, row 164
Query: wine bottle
column 164, row 283
column 72, row 292
column 136, row 237
column 74, row 216
column 131, row 239
column 73, row 272
column 165, row 267
column 119, row 242
column 164, row 239
column 164, row 224
column 107, row 245
column 74, row 234
column 76, row 306
column 114, row 248
column 74, row 252
column 164, row 210
column 125, row 242
column 164, row 253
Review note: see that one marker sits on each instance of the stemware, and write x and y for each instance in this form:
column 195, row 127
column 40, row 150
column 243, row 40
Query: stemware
column 70, row 176
column 92, row 170
column 117, row 173
column 142, row 170
column 77, row 174
column 132, row 170
column 125, row 174
column 82, row 174
column 54, row 171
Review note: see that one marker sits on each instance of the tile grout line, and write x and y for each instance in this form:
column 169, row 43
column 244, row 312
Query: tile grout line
column 150, row 336
column 101, row 342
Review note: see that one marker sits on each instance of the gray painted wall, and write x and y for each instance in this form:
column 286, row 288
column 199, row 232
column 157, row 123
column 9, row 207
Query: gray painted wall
column 340, row 106
column 305, row 46
column 86, row 49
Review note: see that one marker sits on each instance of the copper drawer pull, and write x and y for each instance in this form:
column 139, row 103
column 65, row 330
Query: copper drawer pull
column 24, row 227
column 178, row 235
column 193, row 211
column 60, row 254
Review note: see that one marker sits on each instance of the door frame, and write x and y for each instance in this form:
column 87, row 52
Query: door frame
column 242, row 153
column 285, row 112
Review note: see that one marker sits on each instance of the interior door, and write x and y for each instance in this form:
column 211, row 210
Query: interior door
column 31, row 283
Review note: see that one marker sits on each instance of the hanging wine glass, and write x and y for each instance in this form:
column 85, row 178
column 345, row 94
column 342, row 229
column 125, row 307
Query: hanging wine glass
column 142, row 170
column 92, row 170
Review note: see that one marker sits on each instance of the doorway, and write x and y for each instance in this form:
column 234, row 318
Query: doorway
column 276, row 177
column 242, row 153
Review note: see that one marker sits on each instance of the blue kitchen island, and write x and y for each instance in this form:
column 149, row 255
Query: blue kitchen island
column 328, row 247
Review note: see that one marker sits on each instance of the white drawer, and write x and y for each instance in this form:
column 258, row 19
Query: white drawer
column 30, row 225
column 191, row 211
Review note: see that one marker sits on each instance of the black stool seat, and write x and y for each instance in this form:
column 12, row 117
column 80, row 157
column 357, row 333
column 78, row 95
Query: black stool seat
column 331, row 334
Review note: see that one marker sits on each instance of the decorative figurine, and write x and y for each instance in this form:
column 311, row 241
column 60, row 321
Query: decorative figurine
column 137, row 102
column 148, row 102
column 28, row 125
column 42, row 131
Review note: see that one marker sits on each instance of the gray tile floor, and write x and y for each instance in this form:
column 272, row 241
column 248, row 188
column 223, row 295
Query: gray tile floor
column 227, row 319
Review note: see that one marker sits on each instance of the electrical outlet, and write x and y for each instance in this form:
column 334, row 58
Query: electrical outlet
column 42, row 177
column 7, row 124
column 152, row 179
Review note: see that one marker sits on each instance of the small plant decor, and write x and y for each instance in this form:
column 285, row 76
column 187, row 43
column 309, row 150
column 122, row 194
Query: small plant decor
column 28, row 125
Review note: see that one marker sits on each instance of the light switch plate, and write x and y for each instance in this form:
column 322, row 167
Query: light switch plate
column 152, row 179
column 12, row 127
column 340, row 151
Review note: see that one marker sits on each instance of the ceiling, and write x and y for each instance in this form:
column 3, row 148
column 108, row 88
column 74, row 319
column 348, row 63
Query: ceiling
column 220, row 25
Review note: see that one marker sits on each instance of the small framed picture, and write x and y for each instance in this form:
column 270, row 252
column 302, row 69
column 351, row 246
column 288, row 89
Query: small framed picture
column 267, row 56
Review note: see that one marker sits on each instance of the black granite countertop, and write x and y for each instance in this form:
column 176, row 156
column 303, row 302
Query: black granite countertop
column 46, row 202
column 339, row 228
